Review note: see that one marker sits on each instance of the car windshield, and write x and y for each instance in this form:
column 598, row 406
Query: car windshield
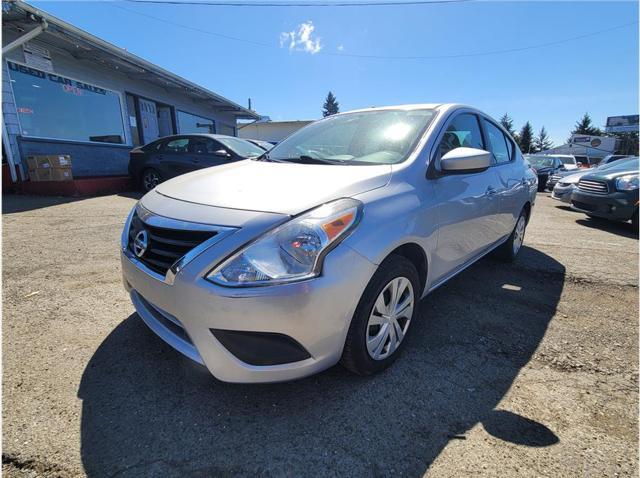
column 540, row 161
column 241, row 147
column 631, row 164
column 567, row 160
column 371, row 137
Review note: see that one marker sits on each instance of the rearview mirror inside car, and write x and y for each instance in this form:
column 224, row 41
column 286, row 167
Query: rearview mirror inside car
column 465, row 160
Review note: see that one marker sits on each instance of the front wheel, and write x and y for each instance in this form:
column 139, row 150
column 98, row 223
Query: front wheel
column 381, row 322
column 509, row 250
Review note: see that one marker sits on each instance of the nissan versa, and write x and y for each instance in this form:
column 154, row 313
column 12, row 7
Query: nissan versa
column 318, row 251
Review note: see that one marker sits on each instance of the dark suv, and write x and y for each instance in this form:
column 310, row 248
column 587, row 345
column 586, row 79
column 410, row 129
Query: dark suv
column 171, row 156
column 610, row 193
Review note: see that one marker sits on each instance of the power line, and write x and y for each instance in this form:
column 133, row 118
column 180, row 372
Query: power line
column 240, row 3
column 381, row 57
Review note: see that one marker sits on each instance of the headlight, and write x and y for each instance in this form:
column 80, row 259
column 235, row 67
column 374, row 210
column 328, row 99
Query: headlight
column 627, row 183
column 293, row 251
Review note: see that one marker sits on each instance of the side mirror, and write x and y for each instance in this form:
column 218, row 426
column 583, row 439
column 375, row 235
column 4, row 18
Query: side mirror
column 222, row 153
column 460, row 160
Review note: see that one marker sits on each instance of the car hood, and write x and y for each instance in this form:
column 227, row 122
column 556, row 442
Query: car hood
column 607, row 175
column 574, row 178
column 284, row 188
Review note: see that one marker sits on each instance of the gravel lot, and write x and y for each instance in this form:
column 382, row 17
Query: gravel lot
column 527, row 369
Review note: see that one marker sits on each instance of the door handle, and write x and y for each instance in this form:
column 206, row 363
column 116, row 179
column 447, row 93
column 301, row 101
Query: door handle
column 491, row 191
column 195, row 160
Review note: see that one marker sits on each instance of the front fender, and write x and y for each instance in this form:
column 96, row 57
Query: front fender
column 394, row 216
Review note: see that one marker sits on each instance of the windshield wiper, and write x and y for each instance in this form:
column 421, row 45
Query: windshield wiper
column 305, row 159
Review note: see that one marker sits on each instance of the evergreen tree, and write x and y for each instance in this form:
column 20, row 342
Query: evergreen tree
column 331, row 106
column 542, row 141
column 507, row 123
column 525, row 139
column 585, row 126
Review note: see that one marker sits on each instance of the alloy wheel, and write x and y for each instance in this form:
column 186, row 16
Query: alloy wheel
column 390, row 318
column 518, row 236
column 150, row 180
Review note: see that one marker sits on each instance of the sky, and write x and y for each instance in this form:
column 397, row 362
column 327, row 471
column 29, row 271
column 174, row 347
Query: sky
column 286, row 59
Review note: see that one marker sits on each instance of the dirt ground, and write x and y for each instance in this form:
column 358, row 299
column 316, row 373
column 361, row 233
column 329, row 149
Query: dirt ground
column 529, row 369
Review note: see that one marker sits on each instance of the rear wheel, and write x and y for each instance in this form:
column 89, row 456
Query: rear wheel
column 509, row 250
column 381, row 322
column 150, row 179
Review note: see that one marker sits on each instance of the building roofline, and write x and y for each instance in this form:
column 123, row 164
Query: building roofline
column 135, row 60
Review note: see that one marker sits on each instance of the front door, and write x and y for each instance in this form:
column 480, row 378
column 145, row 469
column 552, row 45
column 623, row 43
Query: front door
column 149, row 119
column 468, row 203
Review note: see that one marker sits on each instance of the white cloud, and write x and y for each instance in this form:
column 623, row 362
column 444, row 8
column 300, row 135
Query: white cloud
column 340, row 47
column 301, row 39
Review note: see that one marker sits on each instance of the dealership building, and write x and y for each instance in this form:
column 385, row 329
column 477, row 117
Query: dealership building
column 65, row 91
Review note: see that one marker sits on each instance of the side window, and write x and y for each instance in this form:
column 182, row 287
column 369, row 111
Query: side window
column 176, row 146
column 498, row 143
column 201, row 146
column 463, row 131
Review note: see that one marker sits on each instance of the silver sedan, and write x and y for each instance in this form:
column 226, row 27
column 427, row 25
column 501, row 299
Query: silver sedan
column 319, row 251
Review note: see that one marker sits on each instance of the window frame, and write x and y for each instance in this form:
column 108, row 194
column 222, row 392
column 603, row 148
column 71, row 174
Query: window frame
column 121, row 102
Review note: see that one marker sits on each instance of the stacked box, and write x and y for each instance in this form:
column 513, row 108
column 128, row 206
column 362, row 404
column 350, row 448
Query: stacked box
column 56, row 167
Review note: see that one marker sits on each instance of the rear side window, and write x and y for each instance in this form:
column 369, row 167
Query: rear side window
column 176, row 146
column 463, row 131
column 498, row 143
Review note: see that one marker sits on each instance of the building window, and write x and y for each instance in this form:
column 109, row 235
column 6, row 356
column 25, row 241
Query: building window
column 226, row 129
column 188, row 123
column 55, row 107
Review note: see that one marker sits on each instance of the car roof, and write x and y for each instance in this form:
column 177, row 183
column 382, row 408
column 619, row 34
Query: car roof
column 198, row 135
column 411, row 106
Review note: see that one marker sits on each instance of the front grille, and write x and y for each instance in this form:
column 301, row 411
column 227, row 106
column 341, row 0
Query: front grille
column 555, row 178
column 590, row 186
column 165, row 246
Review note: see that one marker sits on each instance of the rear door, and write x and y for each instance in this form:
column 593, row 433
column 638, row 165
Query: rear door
column 512, row 182
column 174, row 157
column 467, row 202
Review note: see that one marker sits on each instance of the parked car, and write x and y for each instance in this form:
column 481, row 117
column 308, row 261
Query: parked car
column 610, row 158
column 320, row 250
column 568, row 181
column 262, row 144
column 609, row 193
column 569, row 161
column 545, row 166
column 172, row 156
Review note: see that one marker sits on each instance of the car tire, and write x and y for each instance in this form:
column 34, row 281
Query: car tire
column 372, row 341
column 510, row 249
column 149, row 179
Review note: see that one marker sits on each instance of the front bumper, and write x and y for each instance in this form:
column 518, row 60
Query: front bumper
column 315, row 313
column 562, row 193
column 617, row 206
